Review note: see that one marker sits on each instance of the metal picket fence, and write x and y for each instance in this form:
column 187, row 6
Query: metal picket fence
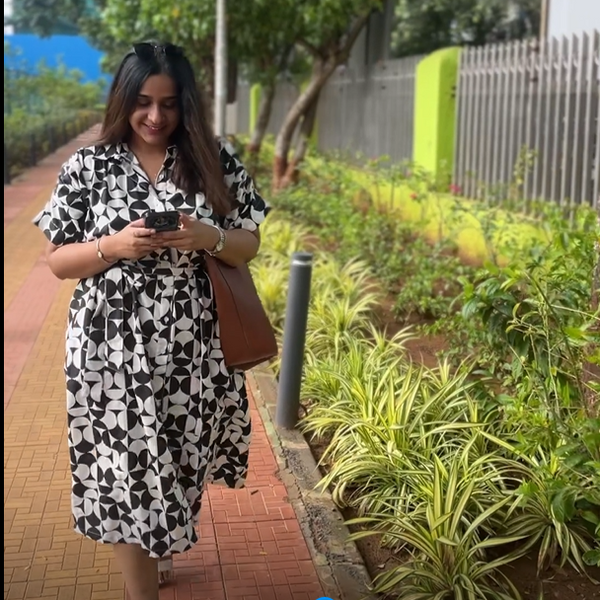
column 526, row 102
column 361, row 112
column 527, row 117
column 370, row 112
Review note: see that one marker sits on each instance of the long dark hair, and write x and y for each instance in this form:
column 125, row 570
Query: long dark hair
column 197, row 168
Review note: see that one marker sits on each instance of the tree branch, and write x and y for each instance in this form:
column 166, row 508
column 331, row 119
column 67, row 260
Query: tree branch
column 354, row 33
column 310, row 48
column 283, row 59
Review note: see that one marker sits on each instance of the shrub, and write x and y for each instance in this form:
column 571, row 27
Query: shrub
column 486, row 457
column 43, row 108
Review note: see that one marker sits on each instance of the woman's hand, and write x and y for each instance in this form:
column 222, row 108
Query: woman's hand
column 132, row 242
column 192, row 235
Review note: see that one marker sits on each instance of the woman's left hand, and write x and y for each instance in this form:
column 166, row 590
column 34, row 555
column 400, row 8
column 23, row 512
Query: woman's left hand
column 192, row 235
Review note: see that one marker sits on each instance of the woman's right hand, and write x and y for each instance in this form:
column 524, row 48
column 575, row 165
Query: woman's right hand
column 132, row 242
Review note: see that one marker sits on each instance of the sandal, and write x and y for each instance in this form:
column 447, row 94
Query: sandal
column 165, row 570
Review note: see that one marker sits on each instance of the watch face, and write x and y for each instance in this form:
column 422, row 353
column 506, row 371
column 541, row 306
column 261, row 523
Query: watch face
column 220, row 244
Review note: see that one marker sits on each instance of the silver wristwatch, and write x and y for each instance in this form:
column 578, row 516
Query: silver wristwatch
column 220, row 244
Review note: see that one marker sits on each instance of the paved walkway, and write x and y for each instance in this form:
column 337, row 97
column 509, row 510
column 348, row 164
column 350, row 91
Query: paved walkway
column 251, row 544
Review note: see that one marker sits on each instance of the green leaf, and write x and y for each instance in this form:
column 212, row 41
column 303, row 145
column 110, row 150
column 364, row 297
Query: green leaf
column 591, row 517
column 592, row 558
column 563, row 505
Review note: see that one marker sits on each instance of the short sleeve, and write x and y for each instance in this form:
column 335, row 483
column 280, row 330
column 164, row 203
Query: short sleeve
column 251, row 208
column 63, row 218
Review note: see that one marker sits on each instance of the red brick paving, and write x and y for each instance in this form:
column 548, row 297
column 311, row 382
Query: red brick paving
column 23, row 320
column 251, row 544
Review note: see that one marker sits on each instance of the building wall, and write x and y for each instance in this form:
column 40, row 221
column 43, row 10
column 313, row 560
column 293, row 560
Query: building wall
column 8, row 11
column 73, row 51
column 566, row 17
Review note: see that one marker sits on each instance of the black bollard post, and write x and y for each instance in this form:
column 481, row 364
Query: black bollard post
column 6, row 167
column 294, row 337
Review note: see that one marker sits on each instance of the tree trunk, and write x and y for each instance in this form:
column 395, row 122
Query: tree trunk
column 262, row 121
column 306, row 128
column 326, row 60
column 208, row 82
column 266, row 99
column 321, row 73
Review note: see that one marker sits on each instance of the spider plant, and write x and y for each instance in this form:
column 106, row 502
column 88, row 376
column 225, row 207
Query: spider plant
column 447, row 536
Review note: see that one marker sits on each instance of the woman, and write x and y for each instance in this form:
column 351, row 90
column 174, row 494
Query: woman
column 153, row 412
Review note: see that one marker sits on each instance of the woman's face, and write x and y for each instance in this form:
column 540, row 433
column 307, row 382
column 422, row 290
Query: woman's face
column 156, row 114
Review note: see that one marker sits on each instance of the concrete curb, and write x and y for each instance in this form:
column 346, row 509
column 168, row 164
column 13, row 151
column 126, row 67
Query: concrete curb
column 339, row 565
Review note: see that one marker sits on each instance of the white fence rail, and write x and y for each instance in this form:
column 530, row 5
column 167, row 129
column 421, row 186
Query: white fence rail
column 370, row 112
column 360, row 113
column 528, row 117
column 527, row 99
column 285, row 96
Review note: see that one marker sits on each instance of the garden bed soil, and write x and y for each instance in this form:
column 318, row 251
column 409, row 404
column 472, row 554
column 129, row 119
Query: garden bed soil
column 557, row 584
column 561, row 584
column 422, row 349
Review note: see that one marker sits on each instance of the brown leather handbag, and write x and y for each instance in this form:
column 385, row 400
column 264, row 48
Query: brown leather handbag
column 247, row 337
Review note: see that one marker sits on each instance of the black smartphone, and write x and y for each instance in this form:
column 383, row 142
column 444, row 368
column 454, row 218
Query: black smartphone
column 162, row 221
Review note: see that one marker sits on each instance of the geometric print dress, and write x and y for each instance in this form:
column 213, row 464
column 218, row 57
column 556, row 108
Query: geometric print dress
column 154, row 415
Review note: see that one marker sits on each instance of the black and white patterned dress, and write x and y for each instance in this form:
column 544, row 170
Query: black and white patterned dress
column 153, row 412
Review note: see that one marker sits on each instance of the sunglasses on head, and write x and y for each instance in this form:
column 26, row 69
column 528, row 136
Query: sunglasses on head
column 147, row 50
